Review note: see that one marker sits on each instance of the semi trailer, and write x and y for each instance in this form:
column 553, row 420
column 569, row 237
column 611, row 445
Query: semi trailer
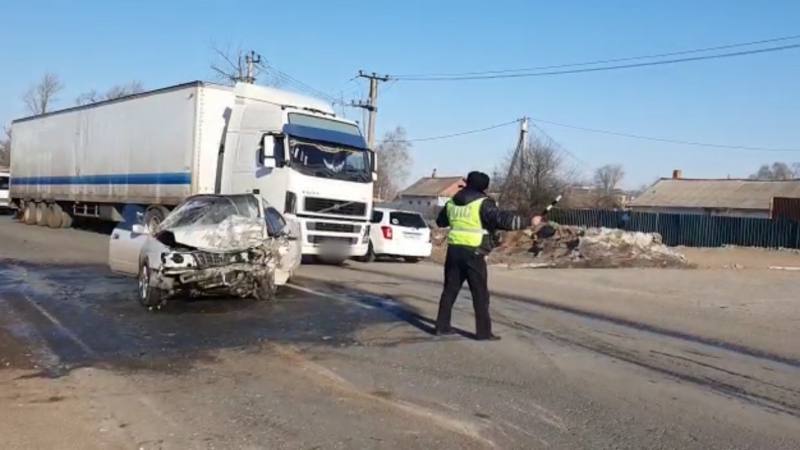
column 151, row 150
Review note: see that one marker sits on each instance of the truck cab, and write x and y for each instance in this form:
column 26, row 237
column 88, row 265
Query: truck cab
column 298, row 155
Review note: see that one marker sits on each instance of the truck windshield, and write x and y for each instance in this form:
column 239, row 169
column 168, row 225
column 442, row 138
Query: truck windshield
column 330, row 161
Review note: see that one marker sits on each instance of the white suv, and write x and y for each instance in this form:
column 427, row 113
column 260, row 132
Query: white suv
column 398, row 233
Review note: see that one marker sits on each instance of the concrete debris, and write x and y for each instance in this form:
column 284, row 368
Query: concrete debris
column 560, row 246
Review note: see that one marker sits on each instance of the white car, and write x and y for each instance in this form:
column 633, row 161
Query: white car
column 209, row 245
column 5, row 201
column 399, row 234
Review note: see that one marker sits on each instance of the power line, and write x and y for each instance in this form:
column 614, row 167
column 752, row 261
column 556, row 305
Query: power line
column 667, row 140
column 460, row 133
column 561, row 147
column 607, row 61
column 299, row 84
column 605, row 68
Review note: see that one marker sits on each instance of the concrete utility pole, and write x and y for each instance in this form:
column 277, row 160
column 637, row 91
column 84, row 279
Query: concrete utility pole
column 371, row 105
column 251, row 59
column 518, row 159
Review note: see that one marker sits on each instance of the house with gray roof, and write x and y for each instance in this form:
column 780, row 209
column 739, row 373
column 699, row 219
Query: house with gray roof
column 718, row 197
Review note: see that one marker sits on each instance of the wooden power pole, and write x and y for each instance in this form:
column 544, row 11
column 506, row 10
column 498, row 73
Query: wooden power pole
column 371, row 105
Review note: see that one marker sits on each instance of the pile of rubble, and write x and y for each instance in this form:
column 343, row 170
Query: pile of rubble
column 554, row 245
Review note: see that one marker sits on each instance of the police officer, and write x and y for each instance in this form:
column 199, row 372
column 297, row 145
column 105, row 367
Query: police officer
column 472, row 218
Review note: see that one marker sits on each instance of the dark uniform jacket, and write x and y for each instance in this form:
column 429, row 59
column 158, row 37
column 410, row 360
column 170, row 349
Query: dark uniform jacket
column 492, row 218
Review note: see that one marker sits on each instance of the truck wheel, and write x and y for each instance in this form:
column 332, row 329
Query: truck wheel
column 150, row 297
column 66, row 219
column 54, row 216
column 412, row 259
column 29, row 215
column 265, row 288
column 370, row 256
column 154, row 215
column 41, row 214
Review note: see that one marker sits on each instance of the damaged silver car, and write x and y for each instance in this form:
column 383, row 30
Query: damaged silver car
column 209, row 245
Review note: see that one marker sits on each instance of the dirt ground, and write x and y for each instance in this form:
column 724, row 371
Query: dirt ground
column 740, row 257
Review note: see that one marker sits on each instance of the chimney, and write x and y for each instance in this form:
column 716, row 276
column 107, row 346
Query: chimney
column 433, row 175
column 677, row 174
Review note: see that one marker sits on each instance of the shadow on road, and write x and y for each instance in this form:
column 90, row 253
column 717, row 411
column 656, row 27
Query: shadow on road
column 85, row 315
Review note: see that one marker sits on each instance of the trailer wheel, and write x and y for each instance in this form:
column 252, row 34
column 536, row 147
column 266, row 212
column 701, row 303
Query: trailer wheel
column 29, row 215
column 154, row 215
column 54, row 216
column 66, row 219
column 41, row 214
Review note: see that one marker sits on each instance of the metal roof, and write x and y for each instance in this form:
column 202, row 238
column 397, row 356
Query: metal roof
column 434, row 187
column 721, row 194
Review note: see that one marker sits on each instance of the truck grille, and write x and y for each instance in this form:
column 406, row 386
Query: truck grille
column 333, row 239
column 333, row 227
column 330, row 206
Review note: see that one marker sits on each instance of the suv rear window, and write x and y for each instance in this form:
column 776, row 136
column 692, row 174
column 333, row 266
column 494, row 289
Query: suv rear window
column 377, row 216
column 407, row 220
column 3, row 182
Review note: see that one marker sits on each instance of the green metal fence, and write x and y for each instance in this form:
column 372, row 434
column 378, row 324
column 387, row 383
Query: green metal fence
column 689, row 229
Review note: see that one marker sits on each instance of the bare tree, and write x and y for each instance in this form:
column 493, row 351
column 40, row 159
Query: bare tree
column 541, row 176
column 778, row 171
column 394, row 160
column 607, row 178
column 118, row 91
column 796, row 169
column 40, row 97
column 5, row 147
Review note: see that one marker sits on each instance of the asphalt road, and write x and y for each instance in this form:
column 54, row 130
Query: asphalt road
column 344, row 358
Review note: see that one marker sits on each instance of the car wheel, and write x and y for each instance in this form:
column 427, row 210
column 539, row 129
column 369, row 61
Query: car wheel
column 265, row 288
column 412, row 259
column 150, row 297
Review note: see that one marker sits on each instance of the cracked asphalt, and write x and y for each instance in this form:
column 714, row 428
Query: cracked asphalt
column 344, row 358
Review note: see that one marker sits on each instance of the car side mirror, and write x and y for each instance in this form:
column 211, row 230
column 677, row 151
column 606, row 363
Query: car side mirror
column 139, row 229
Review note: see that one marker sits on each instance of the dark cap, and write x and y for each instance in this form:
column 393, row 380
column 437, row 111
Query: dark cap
column 478, row 181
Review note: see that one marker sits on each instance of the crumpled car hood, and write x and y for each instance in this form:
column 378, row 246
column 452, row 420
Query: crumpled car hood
column 232, row 234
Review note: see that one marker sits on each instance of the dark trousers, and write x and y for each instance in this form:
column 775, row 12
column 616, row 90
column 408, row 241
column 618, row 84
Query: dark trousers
column 464, row 263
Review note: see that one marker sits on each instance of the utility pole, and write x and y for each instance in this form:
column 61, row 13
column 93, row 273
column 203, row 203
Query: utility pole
column 517, row 160
column 371, row 105
column 251, row 59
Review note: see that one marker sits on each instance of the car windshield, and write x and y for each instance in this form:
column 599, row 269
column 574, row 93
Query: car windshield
column 405, row 219
column 330, row 161
column 211, row 210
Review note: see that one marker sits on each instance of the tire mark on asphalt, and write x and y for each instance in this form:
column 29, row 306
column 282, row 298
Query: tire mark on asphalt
column 712, row 342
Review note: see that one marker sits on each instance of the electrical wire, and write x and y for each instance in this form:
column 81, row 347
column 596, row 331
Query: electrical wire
column 559, row 146
column 607, row 61
column 667, row 140
column 460, row 133
column 604, row 68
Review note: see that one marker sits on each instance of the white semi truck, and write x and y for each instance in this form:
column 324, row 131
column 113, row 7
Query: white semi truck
column 151, row 150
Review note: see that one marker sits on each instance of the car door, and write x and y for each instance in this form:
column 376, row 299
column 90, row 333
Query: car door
column 124, row 248
column 375, row 233
column 278, row 226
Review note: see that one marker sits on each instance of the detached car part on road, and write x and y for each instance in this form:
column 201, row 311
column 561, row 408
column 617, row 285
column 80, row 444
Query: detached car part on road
column 209, row 245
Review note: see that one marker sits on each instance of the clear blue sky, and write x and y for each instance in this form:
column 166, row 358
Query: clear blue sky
column 752, row 100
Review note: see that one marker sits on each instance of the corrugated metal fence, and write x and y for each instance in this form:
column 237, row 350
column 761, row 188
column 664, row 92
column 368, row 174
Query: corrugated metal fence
column 691, row 230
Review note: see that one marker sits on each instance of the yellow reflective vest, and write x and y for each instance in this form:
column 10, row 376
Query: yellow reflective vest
column 466, row 228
